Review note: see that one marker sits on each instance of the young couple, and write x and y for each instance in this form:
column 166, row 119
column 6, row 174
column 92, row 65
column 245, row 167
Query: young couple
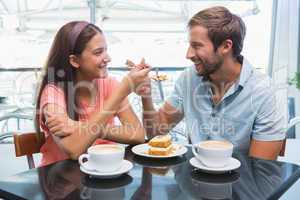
column 77, row 99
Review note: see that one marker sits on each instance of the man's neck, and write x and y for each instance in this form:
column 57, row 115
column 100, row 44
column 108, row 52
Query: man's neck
column 227, row 74
column 224, row 78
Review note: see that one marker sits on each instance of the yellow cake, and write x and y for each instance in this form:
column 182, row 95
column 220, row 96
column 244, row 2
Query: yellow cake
column 162, row 141
column 160, row 145
column 160, row 151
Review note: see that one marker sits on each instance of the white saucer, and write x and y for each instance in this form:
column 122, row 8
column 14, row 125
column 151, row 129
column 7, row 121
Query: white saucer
column 233, row 164
column 126, row 167
column 142, row 150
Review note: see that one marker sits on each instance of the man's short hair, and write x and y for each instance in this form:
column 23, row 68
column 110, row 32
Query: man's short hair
column 221, row 25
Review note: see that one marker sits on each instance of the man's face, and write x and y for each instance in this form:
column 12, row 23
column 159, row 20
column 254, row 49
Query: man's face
column 201, row 52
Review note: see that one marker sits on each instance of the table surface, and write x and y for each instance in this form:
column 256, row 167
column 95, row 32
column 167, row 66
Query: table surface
column 171, row 178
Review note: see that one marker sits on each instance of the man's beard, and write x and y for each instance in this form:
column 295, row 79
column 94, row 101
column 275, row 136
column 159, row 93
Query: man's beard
column 209, row 67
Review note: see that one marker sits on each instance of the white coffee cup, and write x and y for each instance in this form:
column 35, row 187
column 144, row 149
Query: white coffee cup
column 213, row 153
column 103, row 158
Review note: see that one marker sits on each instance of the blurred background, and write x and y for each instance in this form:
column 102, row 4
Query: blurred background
column 153, row 29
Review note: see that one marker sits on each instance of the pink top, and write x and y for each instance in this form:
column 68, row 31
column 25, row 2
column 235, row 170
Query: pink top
column 52, row 94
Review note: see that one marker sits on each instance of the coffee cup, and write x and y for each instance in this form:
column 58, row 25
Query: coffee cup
column 103, row 158
column 213, row 153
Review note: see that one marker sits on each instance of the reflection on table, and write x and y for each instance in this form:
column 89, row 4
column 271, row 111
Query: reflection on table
column 171, row 178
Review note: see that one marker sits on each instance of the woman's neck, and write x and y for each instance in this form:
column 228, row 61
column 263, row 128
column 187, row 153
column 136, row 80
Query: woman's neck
column 85, row 88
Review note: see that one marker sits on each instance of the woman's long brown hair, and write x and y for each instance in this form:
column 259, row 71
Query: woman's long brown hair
column 58, row 70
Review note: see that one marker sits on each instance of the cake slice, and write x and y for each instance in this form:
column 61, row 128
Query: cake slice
column 158, row 151
column 161, row 141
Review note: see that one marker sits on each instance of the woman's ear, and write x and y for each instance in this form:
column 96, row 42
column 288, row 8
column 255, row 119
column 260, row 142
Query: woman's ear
column 74, row 61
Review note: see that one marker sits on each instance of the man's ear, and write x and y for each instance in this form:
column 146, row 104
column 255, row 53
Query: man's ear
column 226, row 46
column 74, row 61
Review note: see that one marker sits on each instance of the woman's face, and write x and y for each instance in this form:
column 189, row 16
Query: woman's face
column 94, row 58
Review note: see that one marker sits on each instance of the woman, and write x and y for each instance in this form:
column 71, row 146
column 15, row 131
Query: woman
column 77, row 100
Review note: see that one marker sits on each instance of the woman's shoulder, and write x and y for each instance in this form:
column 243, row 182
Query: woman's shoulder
column 107, row 85
column 52, row 94
column 52, row 88
column 109, row 82
column 112, row 79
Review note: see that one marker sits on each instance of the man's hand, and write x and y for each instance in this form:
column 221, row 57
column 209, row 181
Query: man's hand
column 61, row 125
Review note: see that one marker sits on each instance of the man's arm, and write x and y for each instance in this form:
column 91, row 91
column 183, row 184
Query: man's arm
column 268, row 131
column 268, row 150
column 159, row 122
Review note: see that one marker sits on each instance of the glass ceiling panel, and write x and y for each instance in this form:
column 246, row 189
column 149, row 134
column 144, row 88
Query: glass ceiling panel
column 155, row 30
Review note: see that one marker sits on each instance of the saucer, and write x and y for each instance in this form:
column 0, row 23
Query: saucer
column 232, row 165
column 159, row 163
column 125, row 167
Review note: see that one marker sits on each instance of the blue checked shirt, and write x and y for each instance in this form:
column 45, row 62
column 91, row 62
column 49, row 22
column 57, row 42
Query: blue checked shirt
column 248, row 109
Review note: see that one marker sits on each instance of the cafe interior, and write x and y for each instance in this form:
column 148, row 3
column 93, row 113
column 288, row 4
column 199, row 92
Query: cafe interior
column 172, row 166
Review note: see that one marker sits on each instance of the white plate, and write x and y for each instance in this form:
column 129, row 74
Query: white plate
column 233, row 164
column 142, row 150
column 126, row 167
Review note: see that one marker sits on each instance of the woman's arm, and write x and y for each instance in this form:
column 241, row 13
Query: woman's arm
column 131, row 131
column 83, row 134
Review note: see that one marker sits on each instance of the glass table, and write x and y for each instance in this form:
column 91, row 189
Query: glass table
column 172, row 178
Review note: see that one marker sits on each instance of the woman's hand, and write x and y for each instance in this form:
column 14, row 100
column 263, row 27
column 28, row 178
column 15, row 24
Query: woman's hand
column 61, row 125
column 139, row 80
column 144, row 89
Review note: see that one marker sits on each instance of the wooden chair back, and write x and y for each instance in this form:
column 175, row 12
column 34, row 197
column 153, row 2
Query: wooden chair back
column 27, row 144
column 282, row 151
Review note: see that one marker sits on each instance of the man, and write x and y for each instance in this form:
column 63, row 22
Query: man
column 222, row 96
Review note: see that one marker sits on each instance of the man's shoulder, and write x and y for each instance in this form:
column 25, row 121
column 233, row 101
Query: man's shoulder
column 261, row 80
column 257, row 79
column 261, row 85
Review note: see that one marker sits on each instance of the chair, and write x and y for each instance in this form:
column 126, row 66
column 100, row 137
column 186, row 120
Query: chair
column 292, row 123
column 290, row 131
column 28, row 144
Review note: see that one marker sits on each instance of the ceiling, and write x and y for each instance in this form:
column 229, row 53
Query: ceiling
column 112, row 15
column 143, row 25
